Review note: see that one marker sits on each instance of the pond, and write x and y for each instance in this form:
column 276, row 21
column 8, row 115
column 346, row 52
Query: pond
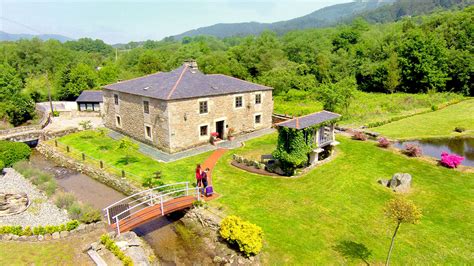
column 434, row 147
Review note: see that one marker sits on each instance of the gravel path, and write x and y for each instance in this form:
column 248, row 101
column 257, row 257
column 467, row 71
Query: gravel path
column 40, row 212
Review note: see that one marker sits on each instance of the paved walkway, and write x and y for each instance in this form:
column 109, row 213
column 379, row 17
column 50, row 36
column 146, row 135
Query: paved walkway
column 166, row 157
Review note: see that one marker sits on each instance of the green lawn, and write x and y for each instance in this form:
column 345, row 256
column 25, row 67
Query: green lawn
column 305, row 218
column 182, row 170
column 369, row 107
column 434, row 124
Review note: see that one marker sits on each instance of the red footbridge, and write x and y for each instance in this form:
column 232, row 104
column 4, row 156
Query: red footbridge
column 137, row 209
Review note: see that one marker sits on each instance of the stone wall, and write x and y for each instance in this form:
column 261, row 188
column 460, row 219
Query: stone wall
column 119, row 184
column 133, row 118
column 185, row 121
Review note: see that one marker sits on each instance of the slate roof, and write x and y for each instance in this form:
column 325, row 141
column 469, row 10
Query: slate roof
column 90, row 96
column 309, row 120
column 182, row 83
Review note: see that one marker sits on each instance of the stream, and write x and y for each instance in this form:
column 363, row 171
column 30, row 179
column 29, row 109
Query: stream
column 161, row 234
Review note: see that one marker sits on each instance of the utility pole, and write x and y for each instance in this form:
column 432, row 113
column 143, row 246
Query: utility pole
column 49, row 93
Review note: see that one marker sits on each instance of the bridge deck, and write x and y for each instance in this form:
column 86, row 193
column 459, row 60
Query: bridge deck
column 153, row 212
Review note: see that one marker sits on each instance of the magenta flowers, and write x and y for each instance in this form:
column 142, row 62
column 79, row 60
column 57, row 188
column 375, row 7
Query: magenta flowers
column 451, row 160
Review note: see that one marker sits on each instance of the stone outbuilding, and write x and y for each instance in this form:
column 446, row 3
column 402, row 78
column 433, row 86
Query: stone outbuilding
column 90, row 101
column 183, row 108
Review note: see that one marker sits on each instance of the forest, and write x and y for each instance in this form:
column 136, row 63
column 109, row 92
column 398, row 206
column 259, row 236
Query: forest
column 431, row 53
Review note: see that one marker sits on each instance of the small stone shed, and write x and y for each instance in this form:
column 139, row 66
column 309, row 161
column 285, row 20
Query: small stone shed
column 321, row 125
column 90, row 101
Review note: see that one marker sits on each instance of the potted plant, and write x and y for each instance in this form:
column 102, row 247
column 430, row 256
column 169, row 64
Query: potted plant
column 230, row 134
column 214, row 136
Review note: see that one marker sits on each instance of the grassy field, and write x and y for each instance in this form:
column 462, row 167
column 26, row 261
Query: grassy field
column 105, row 148
column 58, row 252
column 369, row 107
column 434, row 124
column 341, row 202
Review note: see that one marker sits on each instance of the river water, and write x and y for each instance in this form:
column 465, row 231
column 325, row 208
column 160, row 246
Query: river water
column 161, row 234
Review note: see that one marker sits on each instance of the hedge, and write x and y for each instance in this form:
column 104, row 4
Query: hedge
column 38, row 230
column 12, row 152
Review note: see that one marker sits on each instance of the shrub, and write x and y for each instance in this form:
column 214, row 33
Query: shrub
column 85, row 213
column 451, row 160
column 248, row 236
column 383, row 143
column 413, row 150
column 90, row 214
column 2, row 165
column 65, row 200
column 12, row 152
column 75, row 211
column 55, row 113
column 357, row 135
column 85, row 124
column 459, row 129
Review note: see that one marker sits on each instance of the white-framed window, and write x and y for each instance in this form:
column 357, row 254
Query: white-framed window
column 258, row 98
column 118, row 121
column 239, row 101
column 148, row 132
column 203, row 130
column 146, row 107
column 116, row 99
column 203, row 107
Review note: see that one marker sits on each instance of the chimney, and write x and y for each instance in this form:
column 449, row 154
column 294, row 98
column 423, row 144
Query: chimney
column 192, row 64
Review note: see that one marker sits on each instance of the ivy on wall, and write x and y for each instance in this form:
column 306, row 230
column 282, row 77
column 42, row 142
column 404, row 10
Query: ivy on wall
column 293, row 148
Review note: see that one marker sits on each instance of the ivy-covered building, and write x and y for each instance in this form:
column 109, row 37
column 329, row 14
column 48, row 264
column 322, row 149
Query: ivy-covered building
column 305, row 140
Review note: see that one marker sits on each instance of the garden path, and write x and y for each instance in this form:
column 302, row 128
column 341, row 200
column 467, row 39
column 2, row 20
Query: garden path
column 211, row 161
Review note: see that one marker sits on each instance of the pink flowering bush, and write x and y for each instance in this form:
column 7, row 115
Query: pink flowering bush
column 451, row 160
column 383, row 142
column 412, row 150
column 357, row 135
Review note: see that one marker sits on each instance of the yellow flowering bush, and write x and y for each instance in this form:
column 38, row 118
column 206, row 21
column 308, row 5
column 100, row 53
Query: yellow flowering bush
column 248, row 236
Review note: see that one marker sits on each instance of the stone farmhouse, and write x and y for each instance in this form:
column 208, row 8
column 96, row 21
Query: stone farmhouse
column 181, row 109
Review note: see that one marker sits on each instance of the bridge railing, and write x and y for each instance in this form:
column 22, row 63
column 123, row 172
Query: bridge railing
column 147, row 198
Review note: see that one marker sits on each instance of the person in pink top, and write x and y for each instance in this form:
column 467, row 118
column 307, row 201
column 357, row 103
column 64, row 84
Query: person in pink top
column 198, row 175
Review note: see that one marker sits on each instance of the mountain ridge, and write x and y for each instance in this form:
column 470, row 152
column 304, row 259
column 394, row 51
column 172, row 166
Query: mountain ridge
column 323, row 17
column 5, row 36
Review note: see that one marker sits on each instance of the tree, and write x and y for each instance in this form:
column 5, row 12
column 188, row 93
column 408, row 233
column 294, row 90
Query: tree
column 337, row 96
column 75, row 80
column 423, row 62
column 36, row 87
column 10, row 82
column 20, row 110
column 401, row 211
column 127, row 146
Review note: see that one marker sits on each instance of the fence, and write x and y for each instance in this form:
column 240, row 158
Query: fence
column 95, row 162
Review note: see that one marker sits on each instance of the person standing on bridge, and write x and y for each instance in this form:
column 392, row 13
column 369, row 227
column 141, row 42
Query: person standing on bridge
column 198, row 175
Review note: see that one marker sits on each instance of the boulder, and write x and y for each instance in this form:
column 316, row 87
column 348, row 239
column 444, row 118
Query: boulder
column 56, row 235
column 47, row 236
column 40, row 238
column 64, row 234
column 7, row 237
column 400, row 182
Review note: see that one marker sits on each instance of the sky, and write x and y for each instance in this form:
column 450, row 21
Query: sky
column 128, row 20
